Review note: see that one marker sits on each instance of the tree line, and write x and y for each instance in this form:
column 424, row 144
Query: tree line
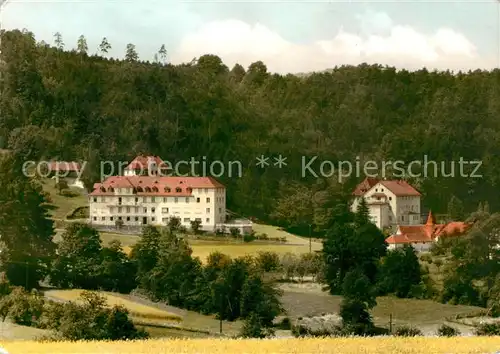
column 74, row 105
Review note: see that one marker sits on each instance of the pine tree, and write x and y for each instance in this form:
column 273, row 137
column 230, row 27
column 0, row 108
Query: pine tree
column 362, row 212
column 456, row 209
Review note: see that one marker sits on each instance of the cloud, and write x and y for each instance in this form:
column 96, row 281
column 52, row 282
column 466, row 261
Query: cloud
column 388, row 44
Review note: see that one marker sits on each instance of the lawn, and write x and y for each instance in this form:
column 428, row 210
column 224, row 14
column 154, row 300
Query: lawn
column 138, row 311
column 202, row 248
column 309, row 300
column 379, row 345
column 61, row 204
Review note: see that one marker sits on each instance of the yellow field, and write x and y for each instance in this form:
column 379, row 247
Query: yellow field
column 202, row 248
column 136, row 310
column 316, row 346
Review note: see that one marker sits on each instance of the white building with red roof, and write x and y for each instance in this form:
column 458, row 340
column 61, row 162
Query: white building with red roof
column 422, row 237
column 390, row 202
column 137, row 200
column 146, row 166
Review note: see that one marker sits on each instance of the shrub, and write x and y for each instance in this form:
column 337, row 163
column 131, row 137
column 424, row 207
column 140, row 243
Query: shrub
column 22, row 307
column 447, row 331
column 234, row 231
column 252, row 328
column 488, row 329
column 407, row 331
column 285, row 324
column 299, row 330
column 268, row 261
column 248, row 238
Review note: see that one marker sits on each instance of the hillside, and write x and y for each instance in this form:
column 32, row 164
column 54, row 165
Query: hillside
column 74, row 106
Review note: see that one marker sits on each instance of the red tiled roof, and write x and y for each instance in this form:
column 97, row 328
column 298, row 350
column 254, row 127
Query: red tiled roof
column 428, row 232
column 151, row 185
column 142, row 162
column 400, row 188
column 64, row 166
column 364, row 186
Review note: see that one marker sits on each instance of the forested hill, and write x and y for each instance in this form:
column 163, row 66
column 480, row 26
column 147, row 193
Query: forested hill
column 68, row 104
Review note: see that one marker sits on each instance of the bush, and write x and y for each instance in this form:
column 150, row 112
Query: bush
column 488, row 329
column 21, row 307
column 248, row 237
column 285, row 324
column 252, row 328
column 407, row 331
column 78, row 213
column 447, row 331
column 234, row 231
column 268, row 261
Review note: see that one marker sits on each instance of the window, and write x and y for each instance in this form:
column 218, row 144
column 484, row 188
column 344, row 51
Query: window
column 103, row 199
column 144, row 199
column 153, row 210
column 402, row 218
column 382, row 190
column 197, row 200
column 111, row 218
column 152, row 199
column 199, row 190
column 390, row 198
column 119, row 209
column 145, row 210
column 208, row 219
column 128, row 209
column 95, row 200
column 178, row 190
column 376, row 189
column 95, row 218
column 103, row 218
column 119, row 201
column 164, row 210
column 186, row 220
column 136, row 200
column 208, row 200
column 128, row 218
column 198, row 219
column 176, row 200
column 136, row 218
column 164, row 199
column 206, row 190
column 153, row 218
column 164, row 220
column 119, row 218
column 187, row 200
column 220, row 210
column 208, row 210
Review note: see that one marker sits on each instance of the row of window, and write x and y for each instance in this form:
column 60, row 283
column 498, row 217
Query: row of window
column 128, row 209
column 154, row 200
column 164, row 220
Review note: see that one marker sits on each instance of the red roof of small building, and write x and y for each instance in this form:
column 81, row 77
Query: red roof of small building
column 398, row 187
column 428, row 232
column 142, row 162
column 64, row 166
column 152, row 185
column 364, row 186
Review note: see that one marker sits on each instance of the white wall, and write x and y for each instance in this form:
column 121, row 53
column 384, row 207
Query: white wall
column 203, row 204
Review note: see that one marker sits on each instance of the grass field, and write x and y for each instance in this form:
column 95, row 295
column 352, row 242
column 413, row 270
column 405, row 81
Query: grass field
column 202, row 248
column 137, row 311
column 220, row 346
column 61, row 205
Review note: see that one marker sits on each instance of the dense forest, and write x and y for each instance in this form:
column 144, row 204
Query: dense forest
column 67, row 103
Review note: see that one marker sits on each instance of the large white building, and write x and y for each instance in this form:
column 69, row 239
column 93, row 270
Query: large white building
column 147, row 198
column 391, row 202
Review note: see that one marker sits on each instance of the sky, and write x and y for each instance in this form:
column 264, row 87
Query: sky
column 288, row 36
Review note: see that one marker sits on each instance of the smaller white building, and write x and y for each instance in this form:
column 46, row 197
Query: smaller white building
column 390, row 202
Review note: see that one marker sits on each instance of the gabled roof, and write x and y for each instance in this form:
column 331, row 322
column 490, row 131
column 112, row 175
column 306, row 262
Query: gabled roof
column 142, row 162
column 151, row 185
column 400, row 188
column 428, row 232
column 365, row 186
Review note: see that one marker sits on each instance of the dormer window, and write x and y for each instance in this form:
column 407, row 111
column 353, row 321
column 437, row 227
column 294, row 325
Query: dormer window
column 111, row 189
column 178, row 190
column 167, row 190
column 155, row 189
column 189, row 190
column 103, row 189
column 139, row 190
column 147, row 190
